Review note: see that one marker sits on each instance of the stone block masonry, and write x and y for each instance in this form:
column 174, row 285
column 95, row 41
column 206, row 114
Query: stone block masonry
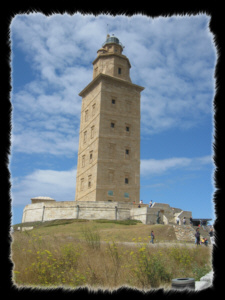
column 108, row 166
column 53, row 210
column 76, row 210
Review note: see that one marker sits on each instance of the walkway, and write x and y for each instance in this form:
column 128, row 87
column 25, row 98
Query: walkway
column 160, row 244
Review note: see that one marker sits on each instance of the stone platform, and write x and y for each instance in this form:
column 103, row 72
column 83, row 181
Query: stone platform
column 47, row 209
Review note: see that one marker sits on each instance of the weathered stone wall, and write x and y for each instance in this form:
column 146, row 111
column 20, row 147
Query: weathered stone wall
column 115, row 210
column 187, row 215
column 88, row 144
column 49, row 211
column 73, row 210
column 33, row 212
column 147, row 215
column 103, row 210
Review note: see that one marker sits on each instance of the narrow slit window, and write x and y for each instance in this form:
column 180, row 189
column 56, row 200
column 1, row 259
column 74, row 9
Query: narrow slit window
column 89, row 181
column 82, row 184
column 127, row 153
column 92, row 131
column 86, row 115
column 83, row 161
column 85, row 136
column 91, row 156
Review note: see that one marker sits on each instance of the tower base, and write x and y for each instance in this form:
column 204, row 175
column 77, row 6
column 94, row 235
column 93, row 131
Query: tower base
column 159, row 213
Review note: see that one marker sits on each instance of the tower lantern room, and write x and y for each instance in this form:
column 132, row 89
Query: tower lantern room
column 111, row 61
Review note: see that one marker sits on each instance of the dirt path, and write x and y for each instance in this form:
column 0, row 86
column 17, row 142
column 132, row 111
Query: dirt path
column 160, row 244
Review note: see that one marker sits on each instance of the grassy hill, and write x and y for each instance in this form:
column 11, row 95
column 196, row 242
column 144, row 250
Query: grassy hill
column 118, row 231
column 103, row 254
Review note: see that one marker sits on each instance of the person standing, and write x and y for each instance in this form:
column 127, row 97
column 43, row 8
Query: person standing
column 150, row 203
column 152, row 237
column 211, row 236
column 184, row 221
column 197, row 235
column 178, row 220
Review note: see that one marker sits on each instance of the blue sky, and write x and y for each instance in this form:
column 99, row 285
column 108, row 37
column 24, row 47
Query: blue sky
column 172, row 57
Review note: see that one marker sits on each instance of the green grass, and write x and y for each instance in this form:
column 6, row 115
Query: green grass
column 70, row 253
column 120, row 222
column 114, row 230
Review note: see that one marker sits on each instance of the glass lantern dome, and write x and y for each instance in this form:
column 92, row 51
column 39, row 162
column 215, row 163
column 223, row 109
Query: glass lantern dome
column 112, row 39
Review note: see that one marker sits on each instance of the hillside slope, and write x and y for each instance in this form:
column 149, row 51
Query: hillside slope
column 118, row 231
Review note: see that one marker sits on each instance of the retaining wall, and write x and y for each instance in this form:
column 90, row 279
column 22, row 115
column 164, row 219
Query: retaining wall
column 76, row 210
column 51, row 210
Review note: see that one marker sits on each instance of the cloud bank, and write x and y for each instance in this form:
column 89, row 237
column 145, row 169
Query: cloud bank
column 170, row 57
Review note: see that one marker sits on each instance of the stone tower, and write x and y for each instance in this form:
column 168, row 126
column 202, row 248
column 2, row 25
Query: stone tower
column 108, row 167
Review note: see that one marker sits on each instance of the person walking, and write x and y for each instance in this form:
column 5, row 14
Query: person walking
column 152, row 237
column 197, row 235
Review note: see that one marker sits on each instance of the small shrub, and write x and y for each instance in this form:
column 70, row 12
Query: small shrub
column 150, row 268
column 181, row 257
column 51, row 268
column 92, row 238
column 114, row 255
column 121, row 222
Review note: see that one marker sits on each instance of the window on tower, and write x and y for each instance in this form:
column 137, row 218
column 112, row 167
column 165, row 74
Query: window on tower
column 86, row 115
column 127, row 153
column 82, row 184
column 119, row 71
column 83, row 161
column 92, row 131
column 89, row 181
column 91, row 156
column 126, row 180
column 85, row 136
column 93, row 109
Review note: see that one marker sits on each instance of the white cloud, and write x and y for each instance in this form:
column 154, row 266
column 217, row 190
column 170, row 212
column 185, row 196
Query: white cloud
column 46, row 141
column 153, row 167
column 60, row 185
column 166, row 55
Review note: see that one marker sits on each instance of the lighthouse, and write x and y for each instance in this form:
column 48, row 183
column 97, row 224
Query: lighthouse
column 108, row 167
